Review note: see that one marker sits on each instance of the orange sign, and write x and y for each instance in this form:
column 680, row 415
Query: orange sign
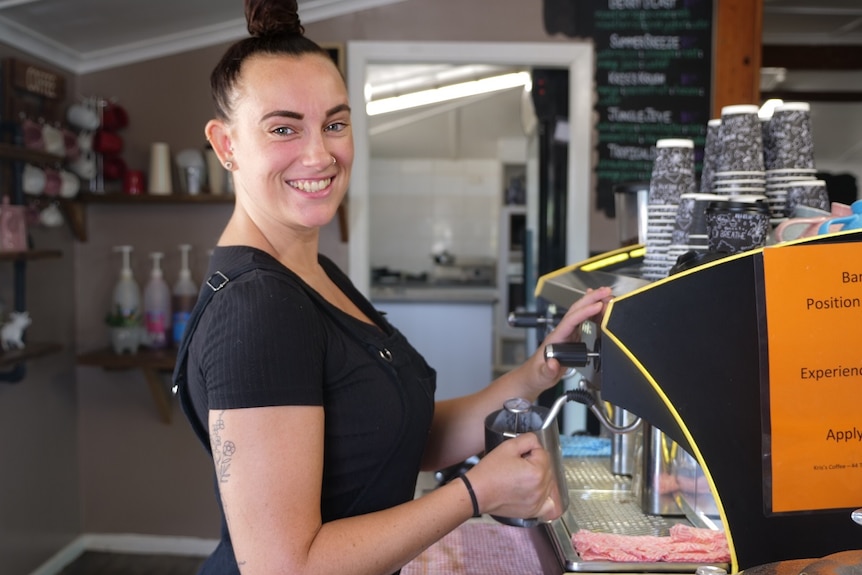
column 814, row 319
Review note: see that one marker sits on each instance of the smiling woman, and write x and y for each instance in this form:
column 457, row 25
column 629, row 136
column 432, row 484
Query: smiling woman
column 317, row 412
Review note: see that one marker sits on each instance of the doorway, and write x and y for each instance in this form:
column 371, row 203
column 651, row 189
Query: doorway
column 577, row 58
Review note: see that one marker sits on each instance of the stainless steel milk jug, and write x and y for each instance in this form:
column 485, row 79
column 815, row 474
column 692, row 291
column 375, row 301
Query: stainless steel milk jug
column 521, row 416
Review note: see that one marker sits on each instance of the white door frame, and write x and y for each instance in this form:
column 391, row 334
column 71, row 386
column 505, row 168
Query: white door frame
column 577, row 57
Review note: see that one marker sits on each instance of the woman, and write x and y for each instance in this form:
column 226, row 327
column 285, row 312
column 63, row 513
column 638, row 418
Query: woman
column 319, row 413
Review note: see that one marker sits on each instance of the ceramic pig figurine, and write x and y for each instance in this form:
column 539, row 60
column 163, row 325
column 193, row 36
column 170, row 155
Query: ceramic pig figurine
column 12, row 333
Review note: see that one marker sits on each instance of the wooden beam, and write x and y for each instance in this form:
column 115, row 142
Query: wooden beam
column 738, row 48
column 823, row 57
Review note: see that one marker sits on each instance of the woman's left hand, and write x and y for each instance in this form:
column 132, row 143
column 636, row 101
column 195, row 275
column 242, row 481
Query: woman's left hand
column 590, row 306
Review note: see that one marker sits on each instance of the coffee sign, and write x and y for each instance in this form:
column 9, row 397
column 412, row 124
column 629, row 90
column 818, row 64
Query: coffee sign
column 37, row 81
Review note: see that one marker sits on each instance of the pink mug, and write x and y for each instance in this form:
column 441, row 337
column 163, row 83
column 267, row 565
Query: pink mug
column 795, row 228
column 806, row 227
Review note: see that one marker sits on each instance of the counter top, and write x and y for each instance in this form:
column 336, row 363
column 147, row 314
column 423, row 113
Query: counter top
column 429, row 292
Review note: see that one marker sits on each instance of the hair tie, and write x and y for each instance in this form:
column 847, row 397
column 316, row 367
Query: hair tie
column 472, row 493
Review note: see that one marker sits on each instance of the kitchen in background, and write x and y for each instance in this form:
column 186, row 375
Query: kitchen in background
column 446, row 186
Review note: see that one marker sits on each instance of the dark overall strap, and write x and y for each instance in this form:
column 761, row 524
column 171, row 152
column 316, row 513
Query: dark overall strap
column 180, row 376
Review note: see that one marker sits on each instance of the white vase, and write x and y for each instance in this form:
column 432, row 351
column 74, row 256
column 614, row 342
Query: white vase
column 125, row 339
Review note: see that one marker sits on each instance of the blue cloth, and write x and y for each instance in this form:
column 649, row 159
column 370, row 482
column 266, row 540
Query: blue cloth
column 585, row 446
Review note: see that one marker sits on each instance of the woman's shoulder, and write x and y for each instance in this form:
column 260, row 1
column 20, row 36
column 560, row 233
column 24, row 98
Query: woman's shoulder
column 255, row 279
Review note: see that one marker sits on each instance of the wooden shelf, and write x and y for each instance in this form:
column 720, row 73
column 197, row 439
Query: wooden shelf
column 30, row 255
column 75, row 208
column 31, row 350
column 152, row 363
column 162, row 359
column 117, row 198
column 21, row 154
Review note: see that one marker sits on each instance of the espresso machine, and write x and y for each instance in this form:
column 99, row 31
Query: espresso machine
column 697, row 358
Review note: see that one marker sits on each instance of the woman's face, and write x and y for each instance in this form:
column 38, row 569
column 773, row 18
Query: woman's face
column 291, row 120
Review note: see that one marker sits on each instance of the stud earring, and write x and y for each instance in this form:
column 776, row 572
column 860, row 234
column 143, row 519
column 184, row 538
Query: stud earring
column 228, row 165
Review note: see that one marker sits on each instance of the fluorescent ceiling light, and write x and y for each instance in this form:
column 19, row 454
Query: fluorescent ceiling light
column 451, row 92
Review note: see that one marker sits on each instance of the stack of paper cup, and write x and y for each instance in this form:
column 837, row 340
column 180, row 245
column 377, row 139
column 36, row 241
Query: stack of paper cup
column 672, row 177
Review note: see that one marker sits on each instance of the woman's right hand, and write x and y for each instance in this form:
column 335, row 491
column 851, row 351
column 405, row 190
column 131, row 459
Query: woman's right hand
column 515, row 479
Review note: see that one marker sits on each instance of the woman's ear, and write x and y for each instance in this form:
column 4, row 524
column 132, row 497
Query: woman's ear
column 219, row 138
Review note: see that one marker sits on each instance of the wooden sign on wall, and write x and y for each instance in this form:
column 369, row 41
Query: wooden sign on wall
column 32, row 91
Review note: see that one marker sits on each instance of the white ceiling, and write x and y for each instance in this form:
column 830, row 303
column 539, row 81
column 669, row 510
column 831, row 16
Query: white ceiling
column 88, row 35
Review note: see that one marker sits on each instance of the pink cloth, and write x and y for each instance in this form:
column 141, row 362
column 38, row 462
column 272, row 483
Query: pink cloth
column 685, row 544
column 479, row 549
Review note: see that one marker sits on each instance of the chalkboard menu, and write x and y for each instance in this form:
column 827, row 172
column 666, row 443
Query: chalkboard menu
column 653, row 78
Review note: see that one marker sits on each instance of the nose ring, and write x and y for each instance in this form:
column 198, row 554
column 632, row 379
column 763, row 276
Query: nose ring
column 333, row 160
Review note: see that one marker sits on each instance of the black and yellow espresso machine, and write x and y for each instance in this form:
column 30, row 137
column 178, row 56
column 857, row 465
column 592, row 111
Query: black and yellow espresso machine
column 752, row 365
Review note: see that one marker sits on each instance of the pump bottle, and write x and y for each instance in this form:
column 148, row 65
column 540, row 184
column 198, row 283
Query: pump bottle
column 126, row 303
column 185, row 295
column 157, row 306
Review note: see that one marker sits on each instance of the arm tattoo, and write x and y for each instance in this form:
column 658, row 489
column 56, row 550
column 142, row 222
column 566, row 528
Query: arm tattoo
column 223, row 451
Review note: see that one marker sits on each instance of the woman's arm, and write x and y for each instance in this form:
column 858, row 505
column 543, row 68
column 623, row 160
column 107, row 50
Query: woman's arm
column 458, row 428
column 269, row 464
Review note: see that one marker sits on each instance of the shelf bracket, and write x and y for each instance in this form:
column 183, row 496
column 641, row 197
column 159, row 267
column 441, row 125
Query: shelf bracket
column 76, row 216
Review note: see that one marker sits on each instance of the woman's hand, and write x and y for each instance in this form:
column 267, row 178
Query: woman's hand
column 515, row 479
column 590, row 306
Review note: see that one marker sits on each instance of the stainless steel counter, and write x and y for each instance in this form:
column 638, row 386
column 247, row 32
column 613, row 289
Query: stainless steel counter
column 449, row 293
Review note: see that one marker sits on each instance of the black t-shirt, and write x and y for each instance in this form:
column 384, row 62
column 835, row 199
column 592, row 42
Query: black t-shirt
column 267, row 339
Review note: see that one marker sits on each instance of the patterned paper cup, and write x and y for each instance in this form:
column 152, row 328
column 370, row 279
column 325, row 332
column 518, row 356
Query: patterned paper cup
column 740, row 139
column 811, row 193
column 736, row 227
column 690, row 217
column 790, row 143
column 710, row 154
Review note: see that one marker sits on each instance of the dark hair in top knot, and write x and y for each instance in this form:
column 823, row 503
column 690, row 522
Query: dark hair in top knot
column 275, row 29
column 272, row 18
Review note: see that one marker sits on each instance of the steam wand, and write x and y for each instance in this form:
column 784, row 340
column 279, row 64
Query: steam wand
column 576, row 354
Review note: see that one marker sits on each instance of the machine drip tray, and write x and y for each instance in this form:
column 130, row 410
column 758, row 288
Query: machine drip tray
column 603, row 502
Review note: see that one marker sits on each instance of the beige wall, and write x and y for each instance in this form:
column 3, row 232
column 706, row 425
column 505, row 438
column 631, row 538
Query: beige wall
column 92, row 454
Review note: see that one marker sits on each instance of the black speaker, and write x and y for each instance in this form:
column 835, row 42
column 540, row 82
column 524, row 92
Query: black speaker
column 550, row 93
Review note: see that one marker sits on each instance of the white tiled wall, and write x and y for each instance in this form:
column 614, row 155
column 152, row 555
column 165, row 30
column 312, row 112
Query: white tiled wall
column 419, row 204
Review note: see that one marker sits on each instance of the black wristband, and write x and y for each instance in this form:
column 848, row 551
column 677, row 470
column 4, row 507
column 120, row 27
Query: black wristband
column 472, row 493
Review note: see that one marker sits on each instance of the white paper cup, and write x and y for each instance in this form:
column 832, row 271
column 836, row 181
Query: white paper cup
column 160, row 170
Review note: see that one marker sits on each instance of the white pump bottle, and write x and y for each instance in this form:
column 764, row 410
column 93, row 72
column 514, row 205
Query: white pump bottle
column 185, row 295
column 157, row 306
column 127, row 294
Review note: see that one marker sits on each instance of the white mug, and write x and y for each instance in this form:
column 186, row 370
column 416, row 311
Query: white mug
column 85, row 165
column 82, row 117
column 69, row 184
column 53, row 140
column 85, row 141
column 33, row 180
column 51, row 216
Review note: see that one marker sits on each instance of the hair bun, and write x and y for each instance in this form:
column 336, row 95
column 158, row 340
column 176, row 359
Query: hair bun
column 272, row 18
